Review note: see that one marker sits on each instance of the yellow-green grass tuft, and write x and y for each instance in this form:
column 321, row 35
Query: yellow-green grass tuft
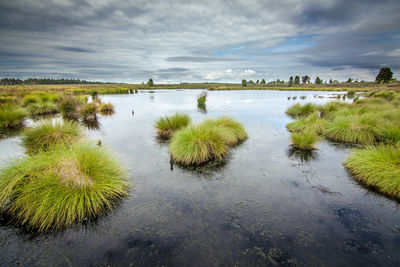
column 297, row 110
column 350, row 129
column 234, row 130
column 46, row 135
column 378, row 167
column 11, row 116
column 304, row 140
column 42, row 108
column 89, row 112
column 168, row 125
column 310, row 123
column 195, row 145
column 69, row 107
column 52, row 190
column 30, row 99
column 106, row 108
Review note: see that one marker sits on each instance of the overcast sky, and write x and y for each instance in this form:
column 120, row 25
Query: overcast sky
column 198, row 41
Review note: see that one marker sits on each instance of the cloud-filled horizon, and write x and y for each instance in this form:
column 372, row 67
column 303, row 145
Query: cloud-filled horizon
column 198, row 41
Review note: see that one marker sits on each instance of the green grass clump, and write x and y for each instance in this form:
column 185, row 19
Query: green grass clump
column 350, row 129
column 298, row 110
column 168, row 125
column 378, row 167
column 304, row 140
column 30, row 99
column 201, row 100
column 351, row 93
column 388, row 131
column 46, row 135
column 69, row 108
column 89, row 112
column 42, row 108
column 56, row 189
column 11, row 116
column 106, row 108
column 310, row 123
column 234, row 131
column 195, row 145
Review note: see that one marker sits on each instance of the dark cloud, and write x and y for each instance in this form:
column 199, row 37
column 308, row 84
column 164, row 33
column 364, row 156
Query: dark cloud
column 74, row 49
column 200, row 59
column 177, row 40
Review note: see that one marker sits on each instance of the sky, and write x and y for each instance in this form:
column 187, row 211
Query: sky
column 174, row 41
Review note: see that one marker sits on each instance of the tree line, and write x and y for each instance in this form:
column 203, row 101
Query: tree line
column 385, row 75
column 31, row 81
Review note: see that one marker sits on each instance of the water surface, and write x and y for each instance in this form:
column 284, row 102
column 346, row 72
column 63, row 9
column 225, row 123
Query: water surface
column 267, row 205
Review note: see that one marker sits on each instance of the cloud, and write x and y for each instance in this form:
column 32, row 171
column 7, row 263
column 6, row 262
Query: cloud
column 177, row 40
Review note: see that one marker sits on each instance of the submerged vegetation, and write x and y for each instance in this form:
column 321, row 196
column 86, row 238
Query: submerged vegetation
column 207, row 141
column 67, row 185
column 168, row 125
column 47, row 135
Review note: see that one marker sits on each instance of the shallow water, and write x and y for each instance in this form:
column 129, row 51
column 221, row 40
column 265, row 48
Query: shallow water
column 267, row 205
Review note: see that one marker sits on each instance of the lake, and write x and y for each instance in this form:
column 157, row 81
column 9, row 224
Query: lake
column 265, row 205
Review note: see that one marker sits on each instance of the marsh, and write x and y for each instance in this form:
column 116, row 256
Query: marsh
column 265, row 205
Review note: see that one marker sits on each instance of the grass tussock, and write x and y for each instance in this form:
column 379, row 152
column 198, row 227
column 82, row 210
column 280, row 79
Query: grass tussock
column 11, row 116
column 304, row 140
column 59, row 188
column 42, row 108
column 378, row 167
column 311, row 123
column 46, row 135
column 201, row 100
column 69, row 108
column 89, row 112
column 198, row 144
column 168, row 125
column 106, row 108
column 298, row 110
column 234, row 130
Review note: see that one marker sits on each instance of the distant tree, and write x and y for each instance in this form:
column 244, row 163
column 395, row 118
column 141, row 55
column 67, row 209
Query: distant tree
column 384, row 75
column 251, row 82
column 258, row 81
column 349, row 80
column 244, row 83
column 290, row 82
column 150, row 82
column 330, row 81
column 263, row 81
column 297, row 80
column 318, row 80
column 305, row 79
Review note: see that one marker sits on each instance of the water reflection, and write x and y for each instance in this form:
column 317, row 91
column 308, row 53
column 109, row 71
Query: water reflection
column 304, row 155
column 91, row 125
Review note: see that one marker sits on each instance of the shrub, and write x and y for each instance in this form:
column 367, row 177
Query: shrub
column 62, row 187
column 46, row 135
column 89, row 112
column 42, row 108
column 234, row 131
column 168, row 125
column 304, row 140
column 11, row 116
column 377, row 167
column 297, row 110
column 198, row 144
